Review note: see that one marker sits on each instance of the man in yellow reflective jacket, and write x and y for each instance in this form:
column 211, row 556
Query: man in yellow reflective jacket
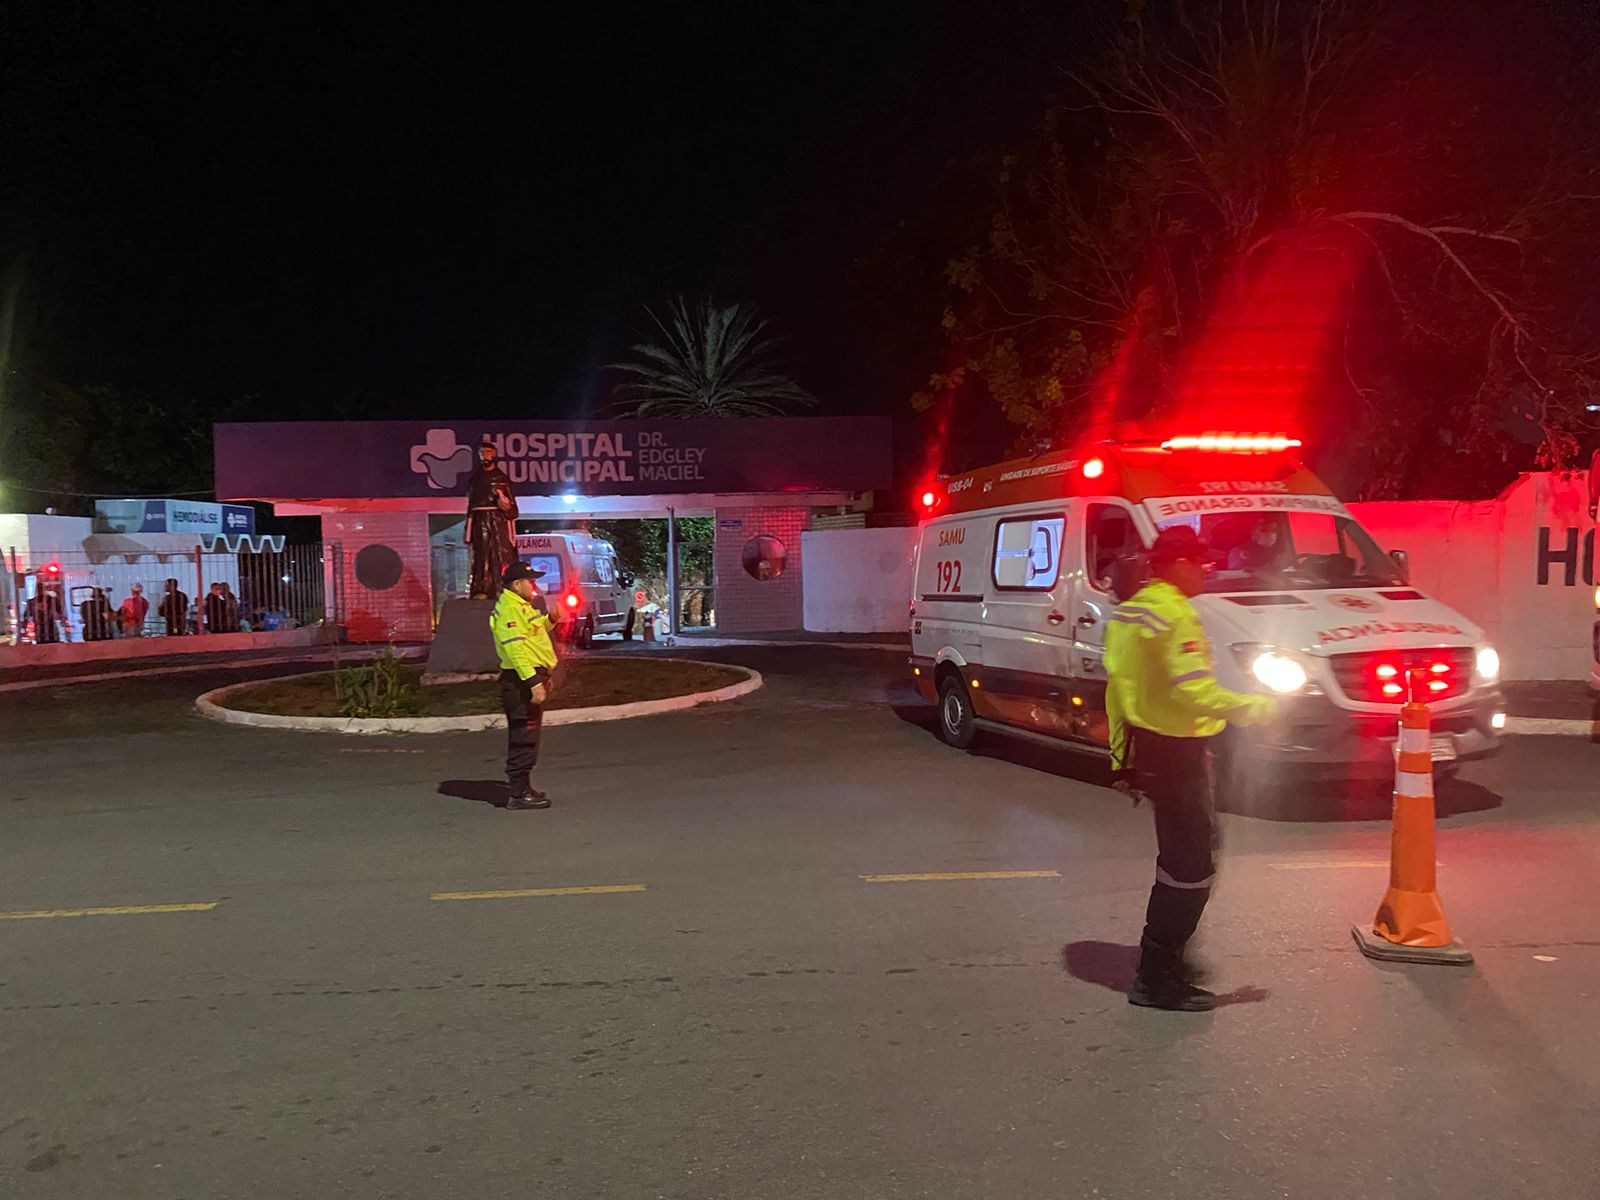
column 521, row 626
column 1165, row 706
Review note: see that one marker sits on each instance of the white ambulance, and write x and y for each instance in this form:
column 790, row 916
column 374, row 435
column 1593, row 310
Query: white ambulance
column 582, row 583
column 1019, row 566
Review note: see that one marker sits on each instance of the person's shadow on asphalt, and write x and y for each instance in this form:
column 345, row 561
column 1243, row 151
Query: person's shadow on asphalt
column 494, row 792
column 1111, row 965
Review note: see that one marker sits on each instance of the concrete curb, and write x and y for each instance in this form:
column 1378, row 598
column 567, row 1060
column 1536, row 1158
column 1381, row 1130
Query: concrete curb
column 207, row 706
column 1552, row 727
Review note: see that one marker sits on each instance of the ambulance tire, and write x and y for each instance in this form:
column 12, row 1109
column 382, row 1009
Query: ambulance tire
column 958, row 724
column 586, row 634
column 627, row 630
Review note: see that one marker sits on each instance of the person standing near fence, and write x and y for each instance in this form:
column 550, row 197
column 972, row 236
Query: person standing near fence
column 221, row 610
column 99, row 622
column 133, row 612
column 521, row 626
column 174, row 609
column 47, row 615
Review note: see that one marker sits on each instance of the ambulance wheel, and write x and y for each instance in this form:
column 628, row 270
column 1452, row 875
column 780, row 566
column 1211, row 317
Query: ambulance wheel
column 627, row 630
column 957, row 722
column 586, row 634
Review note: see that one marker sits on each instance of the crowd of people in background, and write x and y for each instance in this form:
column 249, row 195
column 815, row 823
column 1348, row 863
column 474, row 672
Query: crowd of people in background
column 45, row 616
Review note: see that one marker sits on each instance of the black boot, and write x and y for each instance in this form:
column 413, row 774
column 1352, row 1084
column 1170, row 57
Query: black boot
column 1174, row 995
column 1160, row 983
column 532, row 799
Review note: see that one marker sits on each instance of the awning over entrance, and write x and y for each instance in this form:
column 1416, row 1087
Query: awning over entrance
column 375, row 485
column 378, row 465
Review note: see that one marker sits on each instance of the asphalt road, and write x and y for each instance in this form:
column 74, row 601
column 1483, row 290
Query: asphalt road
column 752, row 1017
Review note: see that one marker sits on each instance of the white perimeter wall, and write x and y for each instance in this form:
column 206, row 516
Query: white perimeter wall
column 1522, row 566
column 857, row 580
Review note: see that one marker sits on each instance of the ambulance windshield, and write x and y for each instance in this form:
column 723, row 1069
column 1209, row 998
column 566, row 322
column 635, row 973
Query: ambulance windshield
column 1271, row 551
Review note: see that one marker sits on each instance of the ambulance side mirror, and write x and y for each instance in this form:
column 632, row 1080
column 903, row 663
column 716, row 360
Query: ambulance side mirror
column 1402, row 560
column 1594, row 484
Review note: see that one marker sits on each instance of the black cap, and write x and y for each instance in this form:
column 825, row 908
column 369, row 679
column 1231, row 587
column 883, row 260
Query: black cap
column 519, row 570
column 1177, row 543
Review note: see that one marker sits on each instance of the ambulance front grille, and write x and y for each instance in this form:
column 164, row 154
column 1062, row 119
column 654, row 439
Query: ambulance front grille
column 1363, row 676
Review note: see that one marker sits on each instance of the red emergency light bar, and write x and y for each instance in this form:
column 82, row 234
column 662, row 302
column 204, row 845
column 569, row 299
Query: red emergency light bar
column 1234, row 443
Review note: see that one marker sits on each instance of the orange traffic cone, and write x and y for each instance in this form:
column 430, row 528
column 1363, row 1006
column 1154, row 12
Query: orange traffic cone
column 1410, row 925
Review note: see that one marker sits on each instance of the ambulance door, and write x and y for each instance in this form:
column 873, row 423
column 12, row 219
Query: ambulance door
column 1110, row 539
column 947, row 601
column 1027, row 638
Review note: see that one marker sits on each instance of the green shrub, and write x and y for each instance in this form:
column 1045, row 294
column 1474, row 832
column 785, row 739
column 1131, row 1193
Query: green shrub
column 378, row 690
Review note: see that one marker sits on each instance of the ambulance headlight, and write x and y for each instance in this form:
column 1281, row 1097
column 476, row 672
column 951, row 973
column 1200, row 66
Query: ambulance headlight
column 1487, row 663
column 1277, row 672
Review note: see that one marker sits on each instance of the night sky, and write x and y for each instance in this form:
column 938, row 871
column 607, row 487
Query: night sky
column 374, row 216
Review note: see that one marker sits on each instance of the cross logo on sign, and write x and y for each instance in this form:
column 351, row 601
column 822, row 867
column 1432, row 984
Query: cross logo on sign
column 442, row 459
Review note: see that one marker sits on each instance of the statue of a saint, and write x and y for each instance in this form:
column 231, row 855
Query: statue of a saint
column 491, row 524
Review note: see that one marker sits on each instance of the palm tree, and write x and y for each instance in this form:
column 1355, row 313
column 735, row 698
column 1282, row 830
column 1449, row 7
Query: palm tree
column 708, row 361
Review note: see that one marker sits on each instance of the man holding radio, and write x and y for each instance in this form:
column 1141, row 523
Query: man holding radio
column 521, row 624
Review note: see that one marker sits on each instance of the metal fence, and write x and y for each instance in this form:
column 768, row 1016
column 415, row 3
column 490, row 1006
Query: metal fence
column 74, row 596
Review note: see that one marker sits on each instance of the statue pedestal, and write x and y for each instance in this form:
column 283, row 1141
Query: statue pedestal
column 463, row 644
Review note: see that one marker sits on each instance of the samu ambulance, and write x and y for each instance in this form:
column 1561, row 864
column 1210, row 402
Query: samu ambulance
column 1019, row 566
column 588, row 593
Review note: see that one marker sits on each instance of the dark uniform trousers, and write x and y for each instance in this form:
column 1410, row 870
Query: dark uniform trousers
column 1175, row 774
column 524, row 722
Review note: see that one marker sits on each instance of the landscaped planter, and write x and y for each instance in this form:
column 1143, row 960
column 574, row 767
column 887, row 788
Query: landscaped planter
column 741, row 681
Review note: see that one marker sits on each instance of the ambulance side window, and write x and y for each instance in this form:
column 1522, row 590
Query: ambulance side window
column 1027, row 553
column 1109, row 537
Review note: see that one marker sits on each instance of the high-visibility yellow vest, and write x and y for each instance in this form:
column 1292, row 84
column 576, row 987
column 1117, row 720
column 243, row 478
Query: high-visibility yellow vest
column 522, row 635
column 1160, row 673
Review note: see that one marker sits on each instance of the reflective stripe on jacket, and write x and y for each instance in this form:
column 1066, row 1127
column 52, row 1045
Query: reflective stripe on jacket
column 522, row 634
column 1159, row 673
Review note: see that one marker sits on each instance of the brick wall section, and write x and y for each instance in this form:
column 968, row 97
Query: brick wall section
column 747, row 605
column 403, row 612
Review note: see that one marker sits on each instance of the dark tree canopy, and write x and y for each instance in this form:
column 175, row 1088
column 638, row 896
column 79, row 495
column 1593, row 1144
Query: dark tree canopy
column 1369, row 219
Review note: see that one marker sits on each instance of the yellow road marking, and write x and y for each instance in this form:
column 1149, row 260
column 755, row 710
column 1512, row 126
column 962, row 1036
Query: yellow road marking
column 129, row 910
column 935, row 875
column 1322, row 866
column 515, row 893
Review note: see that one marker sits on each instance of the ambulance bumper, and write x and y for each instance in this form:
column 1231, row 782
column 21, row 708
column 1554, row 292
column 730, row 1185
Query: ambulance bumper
column 1316, row 738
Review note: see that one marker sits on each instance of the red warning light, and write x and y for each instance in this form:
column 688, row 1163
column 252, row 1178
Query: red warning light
column 1233, row 443
column 927, row 499
column 572, row 600
column 1392, row 689
column 52, row 569
column 1094, row 468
